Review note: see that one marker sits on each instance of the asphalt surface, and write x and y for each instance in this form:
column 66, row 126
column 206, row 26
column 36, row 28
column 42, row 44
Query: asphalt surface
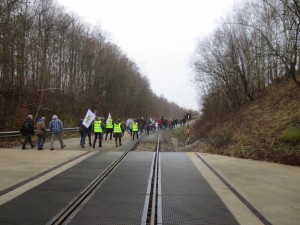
column 272, row 189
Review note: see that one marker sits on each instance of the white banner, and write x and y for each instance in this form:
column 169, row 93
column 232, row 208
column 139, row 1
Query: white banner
column 109, row 117
column 88, row 119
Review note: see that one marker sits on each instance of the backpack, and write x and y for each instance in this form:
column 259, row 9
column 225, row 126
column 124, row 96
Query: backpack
column 25, row 127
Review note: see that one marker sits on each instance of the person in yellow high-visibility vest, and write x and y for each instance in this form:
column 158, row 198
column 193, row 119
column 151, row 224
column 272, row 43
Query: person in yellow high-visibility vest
column 109, row 128
column 98, row 128
column 117, row 132
column 135, row 129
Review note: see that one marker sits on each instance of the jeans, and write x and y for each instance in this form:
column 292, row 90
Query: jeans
column 82, row 140
column 41, row 141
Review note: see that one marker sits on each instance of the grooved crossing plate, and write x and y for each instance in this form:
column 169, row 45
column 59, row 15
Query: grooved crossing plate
column 21, row 221
column 187, row 198
column 45, row 200
column 120, row 199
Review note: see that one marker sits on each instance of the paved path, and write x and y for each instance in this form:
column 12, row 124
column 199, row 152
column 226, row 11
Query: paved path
column 18, row 167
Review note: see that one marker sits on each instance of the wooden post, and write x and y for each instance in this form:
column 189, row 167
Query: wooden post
column 188, row 127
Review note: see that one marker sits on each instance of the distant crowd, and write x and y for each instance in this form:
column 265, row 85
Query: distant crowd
column 101, row 128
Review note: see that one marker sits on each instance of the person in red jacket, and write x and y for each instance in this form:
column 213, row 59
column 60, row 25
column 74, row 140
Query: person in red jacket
column 159, row 122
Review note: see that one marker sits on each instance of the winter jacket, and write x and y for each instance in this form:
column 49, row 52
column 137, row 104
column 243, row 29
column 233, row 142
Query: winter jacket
column 41, row 127
column 27, row 127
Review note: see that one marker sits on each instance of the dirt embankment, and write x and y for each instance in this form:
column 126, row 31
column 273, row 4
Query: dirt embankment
column 267, row 128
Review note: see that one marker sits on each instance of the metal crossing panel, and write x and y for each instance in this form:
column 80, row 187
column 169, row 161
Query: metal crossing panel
column 120, row 199
column 40, row 204
column 186, row 196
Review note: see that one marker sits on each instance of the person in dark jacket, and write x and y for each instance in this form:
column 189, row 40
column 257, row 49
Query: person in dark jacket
column 89, row 134
column 27, row 131
column 123, row 127
column 83, row 132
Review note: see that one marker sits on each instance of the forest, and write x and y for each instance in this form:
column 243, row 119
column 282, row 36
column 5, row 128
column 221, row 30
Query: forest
column 256, row 45
column 51, row 62
column 248, row 74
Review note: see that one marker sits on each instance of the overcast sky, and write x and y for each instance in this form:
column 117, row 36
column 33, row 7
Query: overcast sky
column 160, row 36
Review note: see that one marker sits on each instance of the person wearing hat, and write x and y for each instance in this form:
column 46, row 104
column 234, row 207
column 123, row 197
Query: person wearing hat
column 56, row 128
column 117, row 132
column 98, row 128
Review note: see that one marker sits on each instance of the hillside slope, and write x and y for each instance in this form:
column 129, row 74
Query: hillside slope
column 267, row 128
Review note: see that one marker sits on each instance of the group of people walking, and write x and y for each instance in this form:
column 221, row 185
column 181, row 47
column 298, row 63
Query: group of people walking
column 99, row 127
column 55, row 127
column 152, row 124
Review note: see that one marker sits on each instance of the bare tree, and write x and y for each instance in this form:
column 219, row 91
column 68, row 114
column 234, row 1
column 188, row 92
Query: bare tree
column 51, row 62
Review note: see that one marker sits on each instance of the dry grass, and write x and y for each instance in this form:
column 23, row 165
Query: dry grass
column 263, row 129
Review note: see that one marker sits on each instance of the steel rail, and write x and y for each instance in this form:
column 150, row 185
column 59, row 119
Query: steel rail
column 67, row 212
column 8, row 134
column 263, row 219
column 152, row 209
column 153, row 218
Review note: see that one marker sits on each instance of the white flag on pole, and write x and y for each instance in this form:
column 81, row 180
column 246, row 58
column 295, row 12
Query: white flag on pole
column 109, row 117
column 89, row 117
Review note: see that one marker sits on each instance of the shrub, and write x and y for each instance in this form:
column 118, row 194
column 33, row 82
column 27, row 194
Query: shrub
column 291, row 135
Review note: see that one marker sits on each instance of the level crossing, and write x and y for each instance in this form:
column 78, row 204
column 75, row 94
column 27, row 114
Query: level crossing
column 170, row 187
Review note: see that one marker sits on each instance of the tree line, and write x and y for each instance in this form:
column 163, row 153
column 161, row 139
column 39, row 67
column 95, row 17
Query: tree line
column 255, row 45
column 53, row 63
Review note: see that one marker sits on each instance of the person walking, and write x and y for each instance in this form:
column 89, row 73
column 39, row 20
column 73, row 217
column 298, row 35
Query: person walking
column 41, row 132
column 135, row 129
column 27, row 130
column 123, row 127
column 148, row 125
column 89, row 134
column 129, row 125
column 109, row 128
column 56, row 128
column 83, row 132
column 98, row 128
column 141, row 125
column 117, row 132
column 159, row 123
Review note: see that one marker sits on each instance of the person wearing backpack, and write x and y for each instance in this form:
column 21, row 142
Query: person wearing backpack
column 27, row 130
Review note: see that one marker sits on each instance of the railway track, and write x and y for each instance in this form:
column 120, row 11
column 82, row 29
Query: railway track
column 152, row 208
column 147, row 204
